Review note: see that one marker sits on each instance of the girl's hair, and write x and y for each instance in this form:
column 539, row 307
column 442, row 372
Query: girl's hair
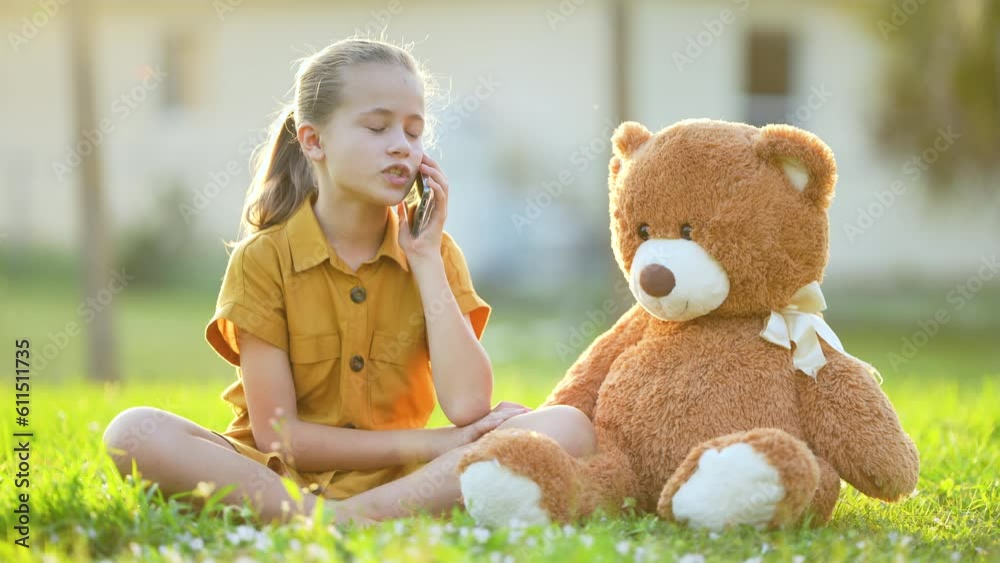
column 282, row 175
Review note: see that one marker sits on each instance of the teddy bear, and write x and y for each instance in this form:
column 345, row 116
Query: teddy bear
column 722, row 397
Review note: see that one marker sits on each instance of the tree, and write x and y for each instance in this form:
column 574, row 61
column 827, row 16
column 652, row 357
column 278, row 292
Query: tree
column 96, row 252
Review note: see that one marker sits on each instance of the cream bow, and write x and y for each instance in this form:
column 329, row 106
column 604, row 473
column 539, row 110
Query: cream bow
column 799, row 322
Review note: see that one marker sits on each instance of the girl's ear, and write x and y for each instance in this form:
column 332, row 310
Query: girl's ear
column 308, row 138
column 806, row 162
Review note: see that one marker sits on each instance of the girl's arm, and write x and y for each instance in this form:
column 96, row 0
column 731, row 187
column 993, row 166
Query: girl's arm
column 463, row 376
column 308, row 446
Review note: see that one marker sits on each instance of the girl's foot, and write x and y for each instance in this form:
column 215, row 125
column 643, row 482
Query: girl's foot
column 342, row 515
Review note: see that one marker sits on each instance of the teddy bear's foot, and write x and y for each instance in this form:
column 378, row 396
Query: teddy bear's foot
column 496, row 496
column 516, row 474
column 764, row 478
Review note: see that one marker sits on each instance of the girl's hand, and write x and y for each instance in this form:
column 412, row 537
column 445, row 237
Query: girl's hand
column 427, row 245
column 462, row 435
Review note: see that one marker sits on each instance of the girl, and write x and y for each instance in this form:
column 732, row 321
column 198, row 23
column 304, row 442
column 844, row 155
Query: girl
column 334, row 314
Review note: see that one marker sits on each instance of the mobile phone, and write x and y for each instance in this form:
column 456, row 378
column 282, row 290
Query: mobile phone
column 424, row 207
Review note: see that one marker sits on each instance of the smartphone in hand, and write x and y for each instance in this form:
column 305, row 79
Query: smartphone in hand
column 424, row 207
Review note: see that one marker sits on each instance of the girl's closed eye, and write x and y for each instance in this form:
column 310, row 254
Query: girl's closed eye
column 408, row 133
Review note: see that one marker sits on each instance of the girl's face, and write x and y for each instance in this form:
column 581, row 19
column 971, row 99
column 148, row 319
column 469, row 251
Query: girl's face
column 371, row 147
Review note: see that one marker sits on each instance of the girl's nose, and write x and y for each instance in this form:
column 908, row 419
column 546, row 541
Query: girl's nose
column 400, row 145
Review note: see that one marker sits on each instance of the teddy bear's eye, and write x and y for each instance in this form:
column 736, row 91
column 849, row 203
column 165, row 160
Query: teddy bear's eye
column 686, row 231
column 643, row 231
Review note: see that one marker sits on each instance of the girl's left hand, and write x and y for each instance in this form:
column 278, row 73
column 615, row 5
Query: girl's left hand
column 428, row 243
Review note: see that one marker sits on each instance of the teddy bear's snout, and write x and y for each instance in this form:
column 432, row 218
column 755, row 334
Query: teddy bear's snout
column 657, row 280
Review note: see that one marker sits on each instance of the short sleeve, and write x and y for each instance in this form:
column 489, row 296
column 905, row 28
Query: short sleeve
column 461, row 285
column 252, row 298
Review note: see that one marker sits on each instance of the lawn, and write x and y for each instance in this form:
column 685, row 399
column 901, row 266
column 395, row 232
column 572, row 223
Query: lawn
column 946, row 396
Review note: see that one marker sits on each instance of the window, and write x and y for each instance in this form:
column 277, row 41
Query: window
column 182, row 65
column 767, row 76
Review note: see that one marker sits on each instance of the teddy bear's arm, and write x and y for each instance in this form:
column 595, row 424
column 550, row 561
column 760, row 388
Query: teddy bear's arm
column 582, row 381
column 850, row 422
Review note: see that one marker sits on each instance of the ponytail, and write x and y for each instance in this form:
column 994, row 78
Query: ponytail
column 283, row 178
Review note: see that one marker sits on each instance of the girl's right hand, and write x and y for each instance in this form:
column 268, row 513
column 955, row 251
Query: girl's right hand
column 471, row 432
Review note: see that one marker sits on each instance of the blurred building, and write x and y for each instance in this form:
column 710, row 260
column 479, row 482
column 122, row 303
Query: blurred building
column 187, row 87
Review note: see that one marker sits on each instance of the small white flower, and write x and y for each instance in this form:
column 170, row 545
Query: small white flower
column 398, row 527
column 531, row 541
column 294, row 544
column 956, row 556
column 587, row 540
column 640, row 553
column 481, row 534
column 569, row 531
column 860, row 544
column 197, row 544
column 799, row 559
column 754, row 559
column 315, row 551
column 905, row 541
column 714, row 535
column 514, row 535
column 764, row 548
column 622, row 547
column 692, row 558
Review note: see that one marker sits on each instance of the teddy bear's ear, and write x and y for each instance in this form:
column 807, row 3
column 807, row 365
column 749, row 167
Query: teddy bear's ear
column 628, row 137
column 806, row 161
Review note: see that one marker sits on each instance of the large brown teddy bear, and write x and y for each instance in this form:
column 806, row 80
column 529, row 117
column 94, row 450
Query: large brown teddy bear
column 722, row 397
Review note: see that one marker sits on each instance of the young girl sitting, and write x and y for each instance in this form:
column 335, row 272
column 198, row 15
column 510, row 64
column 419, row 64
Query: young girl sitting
column 334, row 316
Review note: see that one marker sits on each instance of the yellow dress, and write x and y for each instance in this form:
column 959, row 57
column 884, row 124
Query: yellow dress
column 356, row 340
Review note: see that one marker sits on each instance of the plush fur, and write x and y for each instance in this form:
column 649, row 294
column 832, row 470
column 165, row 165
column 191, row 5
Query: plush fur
column 700, row 419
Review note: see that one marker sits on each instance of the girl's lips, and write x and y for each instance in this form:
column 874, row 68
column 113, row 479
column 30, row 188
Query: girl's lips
column 397, row 180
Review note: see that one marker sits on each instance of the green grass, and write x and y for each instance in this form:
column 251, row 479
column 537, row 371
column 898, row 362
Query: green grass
column 81, row 510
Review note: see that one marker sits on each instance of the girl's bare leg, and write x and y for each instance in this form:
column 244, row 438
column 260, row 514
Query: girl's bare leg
column 434, row 488
column 177, row 454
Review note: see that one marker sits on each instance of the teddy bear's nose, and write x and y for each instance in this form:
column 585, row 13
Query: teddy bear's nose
column 657, row 280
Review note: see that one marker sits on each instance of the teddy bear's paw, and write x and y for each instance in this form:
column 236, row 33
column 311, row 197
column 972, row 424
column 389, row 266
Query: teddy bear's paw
column 730, row 486
column 495, row 495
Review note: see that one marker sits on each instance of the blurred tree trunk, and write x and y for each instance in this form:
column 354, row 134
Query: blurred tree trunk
column 620, row 14
column 95, row 248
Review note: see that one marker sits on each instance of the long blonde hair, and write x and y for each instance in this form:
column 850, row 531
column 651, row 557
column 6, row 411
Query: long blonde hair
column 282, row 175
